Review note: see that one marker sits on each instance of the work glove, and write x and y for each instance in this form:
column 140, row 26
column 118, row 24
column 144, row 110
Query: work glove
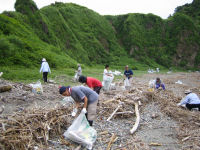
column 179, row 104
column 84, row 111
column 75, row 110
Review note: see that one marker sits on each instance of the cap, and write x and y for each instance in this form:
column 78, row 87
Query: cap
column 187, row 91
column 43, row 59
column 126, row 66
column 63, row 89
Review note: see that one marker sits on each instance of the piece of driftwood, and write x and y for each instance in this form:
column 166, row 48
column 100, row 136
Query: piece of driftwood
column 5, row 88
column 112, row 139
column 135, row 126
column 114, row 112
column 125, row 112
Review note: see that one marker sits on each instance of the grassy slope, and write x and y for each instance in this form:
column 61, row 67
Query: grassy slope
column 67, row 33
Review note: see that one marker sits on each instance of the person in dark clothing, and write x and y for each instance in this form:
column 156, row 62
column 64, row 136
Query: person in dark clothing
column 159, row 84
column 92, row 83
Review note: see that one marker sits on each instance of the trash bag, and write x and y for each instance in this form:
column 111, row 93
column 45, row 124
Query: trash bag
column 127, row 83
column 37, row 88
column 67, row 101
column 76, row 77
column 107, row 80
column 152, row 84
column 81, row 132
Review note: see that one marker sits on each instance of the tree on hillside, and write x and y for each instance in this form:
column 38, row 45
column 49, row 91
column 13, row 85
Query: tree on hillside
column 25, row 7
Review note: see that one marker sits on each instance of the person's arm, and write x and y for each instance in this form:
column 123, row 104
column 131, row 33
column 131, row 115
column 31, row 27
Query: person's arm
column 131, row 74
column 85, row 102
column 184, row 100
column 41, row 67
column 77, row 104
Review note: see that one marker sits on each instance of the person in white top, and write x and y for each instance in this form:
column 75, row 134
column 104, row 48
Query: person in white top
column 107, row 78
column 45, row 69
column 191, row 100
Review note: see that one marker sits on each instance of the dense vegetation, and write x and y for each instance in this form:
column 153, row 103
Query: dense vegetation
column 67, row 34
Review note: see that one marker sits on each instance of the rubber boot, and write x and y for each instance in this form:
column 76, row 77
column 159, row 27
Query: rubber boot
column 90, row 122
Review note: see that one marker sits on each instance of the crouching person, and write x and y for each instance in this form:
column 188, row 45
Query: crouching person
column 191, row 100
column 85, row 95
column 159, row 84
column 92, row 83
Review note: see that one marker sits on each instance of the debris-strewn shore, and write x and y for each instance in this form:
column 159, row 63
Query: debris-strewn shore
column 38, row 121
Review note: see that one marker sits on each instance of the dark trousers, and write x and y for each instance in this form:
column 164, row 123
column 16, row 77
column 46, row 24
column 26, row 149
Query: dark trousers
column 97, row 89
column 45, row 76
column 190, row 106
column 90, row 121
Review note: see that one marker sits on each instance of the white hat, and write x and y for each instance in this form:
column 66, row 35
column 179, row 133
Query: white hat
column 187, row 91
column 43, row 59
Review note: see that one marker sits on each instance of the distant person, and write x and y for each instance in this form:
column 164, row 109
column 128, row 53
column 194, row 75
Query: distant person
column 158, row 84
column 92, row 83
column 107, row 78
column 45, row 69
column 82, row 94
column 191, row 100
column 79, row 71
column 128, row 73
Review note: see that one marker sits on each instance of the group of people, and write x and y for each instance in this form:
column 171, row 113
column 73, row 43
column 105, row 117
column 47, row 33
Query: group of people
column 89, row 95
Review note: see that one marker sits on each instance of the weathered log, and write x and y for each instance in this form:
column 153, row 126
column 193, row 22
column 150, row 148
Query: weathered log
column 5, row 88
column 135, row 126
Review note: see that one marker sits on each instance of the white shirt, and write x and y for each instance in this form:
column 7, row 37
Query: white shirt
column 45, row 67
column 191, row 98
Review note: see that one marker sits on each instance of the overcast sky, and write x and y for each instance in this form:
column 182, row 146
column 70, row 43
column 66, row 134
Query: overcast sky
column 162, row 8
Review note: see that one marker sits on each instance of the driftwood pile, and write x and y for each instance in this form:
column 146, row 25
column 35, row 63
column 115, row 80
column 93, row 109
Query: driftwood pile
column 33, row 128
column 189, row 121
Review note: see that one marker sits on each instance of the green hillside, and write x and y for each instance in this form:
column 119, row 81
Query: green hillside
column 67, row 34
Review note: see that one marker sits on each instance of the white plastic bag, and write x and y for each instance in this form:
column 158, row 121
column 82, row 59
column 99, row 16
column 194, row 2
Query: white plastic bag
column 81, row 132
column 152, row 83
column 76, row 77
column 37, row 88
column 127, row 83
column 107, row 80
column 67, row 100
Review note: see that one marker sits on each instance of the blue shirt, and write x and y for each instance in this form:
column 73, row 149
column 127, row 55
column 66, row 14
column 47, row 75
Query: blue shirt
column 127, row 73
column 191, row 98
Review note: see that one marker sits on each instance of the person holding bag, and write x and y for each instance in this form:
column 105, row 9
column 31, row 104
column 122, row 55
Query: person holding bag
column 82, row 94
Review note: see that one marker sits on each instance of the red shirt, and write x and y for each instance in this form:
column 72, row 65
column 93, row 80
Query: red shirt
column 92, row 82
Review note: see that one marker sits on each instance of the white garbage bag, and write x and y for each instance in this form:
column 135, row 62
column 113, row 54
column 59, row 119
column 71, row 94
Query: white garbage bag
column 127, row 83
column 107, row 80
column 152, row 83
column 117, row 73
column 67, row 100
column 81, row 132
column 37, row 88
column 76, row 77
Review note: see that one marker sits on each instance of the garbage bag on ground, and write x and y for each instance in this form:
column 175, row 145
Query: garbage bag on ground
column 67, row 100
column 81, row 132
column 37, row 88
column 117, row 73
column 152, row 83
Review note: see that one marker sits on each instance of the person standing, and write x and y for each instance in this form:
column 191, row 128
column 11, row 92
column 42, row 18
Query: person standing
column 79, row 71
column 92, row 83
column 45, row 69
column 107, row 78
column 191, row 100
column 128, row 74
column 82, row 94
